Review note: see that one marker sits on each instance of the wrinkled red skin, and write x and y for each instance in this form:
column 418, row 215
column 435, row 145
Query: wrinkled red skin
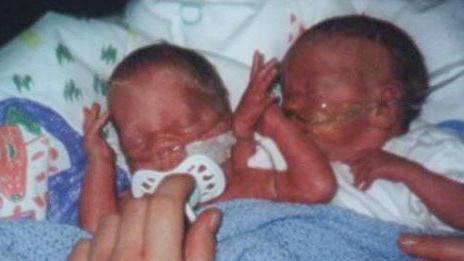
column 337, row 69
column 257, row 110
column 178, row 114
column 162, row 111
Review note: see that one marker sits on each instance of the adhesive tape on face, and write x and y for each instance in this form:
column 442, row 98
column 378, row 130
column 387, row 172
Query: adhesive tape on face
column 209, row 178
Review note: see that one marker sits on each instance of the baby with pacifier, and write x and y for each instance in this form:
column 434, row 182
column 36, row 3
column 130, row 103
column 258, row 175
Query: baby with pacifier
column 172, row 114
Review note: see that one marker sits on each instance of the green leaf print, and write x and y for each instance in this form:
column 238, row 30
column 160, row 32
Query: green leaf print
column 30, row 38
column 22, row 82
column 100, row 86
column 108, row 54
column 11, row 151
column 71, row 92
column 15, row 116
column 63, row 54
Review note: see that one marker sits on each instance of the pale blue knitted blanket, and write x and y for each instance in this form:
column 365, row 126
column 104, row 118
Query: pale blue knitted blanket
column 263, row 230
column 251, row 230
column 37, row 240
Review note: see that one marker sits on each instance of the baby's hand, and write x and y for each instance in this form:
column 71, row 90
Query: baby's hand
column 256, row 98
column 272, row 119
column 379, row 164
column 95, row 146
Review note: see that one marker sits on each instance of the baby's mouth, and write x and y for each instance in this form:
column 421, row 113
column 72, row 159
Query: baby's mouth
column 158, row 163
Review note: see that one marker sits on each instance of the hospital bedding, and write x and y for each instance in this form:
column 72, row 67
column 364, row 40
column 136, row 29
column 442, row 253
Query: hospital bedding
column 61, row 64
column 286, row 232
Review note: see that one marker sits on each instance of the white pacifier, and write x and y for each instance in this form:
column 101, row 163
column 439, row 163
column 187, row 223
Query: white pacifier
column 209, row 178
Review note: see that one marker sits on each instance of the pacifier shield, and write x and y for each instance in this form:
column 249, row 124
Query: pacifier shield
column 209, row 178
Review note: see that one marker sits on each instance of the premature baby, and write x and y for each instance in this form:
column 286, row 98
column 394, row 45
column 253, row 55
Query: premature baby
column 163, row 99
column 351, row 87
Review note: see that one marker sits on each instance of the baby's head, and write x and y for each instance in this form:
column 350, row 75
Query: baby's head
column 163, row 97
column 353, row 82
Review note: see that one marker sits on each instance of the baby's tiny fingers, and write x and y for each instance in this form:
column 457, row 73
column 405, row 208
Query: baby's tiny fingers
column 359, row 176
column 257, row 60
column 265, row 82
column 87, row 121
column 98, row 125
column 103, row 120
column 365, row 183
column 96, row 107
column 268, row 67
column 270, row 100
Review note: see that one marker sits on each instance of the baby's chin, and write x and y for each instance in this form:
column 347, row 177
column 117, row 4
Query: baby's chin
column 335, row 149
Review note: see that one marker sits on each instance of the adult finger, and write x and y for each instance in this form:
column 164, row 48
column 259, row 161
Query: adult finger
column 80, row 251
column 201, row 238
column 433, row 247
column 129, row 244
column 105, row 238
column 165, row 219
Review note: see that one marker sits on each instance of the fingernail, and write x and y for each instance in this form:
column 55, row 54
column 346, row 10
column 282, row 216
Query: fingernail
column 408, row 242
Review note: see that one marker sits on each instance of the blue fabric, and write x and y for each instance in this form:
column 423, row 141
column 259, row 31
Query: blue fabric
column 37, row 240
column 65, row 186
column 456, row 126
column 263, row 230
column 251, row 230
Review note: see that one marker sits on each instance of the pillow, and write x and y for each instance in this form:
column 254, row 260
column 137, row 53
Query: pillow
column 236, row 28
column 436, row 27
column 47, row 75
column 231, row 28
column 29, row 156
column 63, row 62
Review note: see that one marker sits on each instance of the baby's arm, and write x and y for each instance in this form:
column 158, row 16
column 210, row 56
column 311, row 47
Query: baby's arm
column 252, row 105
column 98, row 196
column 442, row 196
column 309, row 177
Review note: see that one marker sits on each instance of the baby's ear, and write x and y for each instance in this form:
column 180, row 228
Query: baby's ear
column 387, row 114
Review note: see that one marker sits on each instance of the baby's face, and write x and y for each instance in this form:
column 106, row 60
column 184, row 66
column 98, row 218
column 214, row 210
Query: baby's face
column 330, row 84
column 157, row 114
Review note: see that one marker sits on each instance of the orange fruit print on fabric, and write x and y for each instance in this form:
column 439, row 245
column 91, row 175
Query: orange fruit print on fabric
column 13, row 163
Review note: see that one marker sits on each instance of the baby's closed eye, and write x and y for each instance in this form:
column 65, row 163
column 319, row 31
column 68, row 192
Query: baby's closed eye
column 134, row 145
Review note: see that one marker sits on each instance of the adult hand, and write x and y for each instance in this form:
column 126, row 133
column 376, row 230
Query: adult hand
column 153, row 228
column 433, row 247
